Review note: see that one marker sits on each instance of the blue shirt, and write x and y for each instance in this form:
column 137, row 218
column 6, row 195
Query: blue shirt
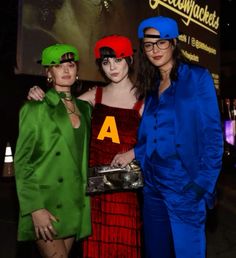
column 163, row 128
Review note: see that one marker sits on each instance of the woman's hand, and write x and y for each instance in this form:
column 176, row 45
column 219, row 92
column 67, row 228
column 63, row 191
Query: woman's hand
column 36, row 93
column 123, row 159
column 42, row 224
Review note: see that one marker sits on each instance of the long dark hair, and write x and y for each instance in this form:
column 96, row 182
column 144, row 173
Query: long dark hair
column 106, row 52
column 148, row 74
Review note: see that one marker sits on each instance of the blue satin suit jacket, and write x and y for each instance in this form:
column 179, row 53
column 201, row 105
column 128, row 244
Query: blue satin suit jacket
column 197, row 127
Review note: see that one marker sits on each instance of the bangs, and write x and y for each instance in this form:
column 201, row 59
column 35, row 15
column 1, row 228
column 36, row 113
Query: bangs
column 67, row 57
column 106, row 52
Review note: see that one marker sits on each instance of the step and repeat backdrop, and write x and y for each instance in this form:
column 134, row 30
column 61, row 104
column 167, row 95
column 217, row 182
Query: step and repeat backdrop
column 82, row 22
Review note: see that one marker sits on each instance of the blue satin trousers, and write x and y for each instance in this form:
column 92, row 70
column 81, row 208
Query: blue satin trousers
column 174, row 216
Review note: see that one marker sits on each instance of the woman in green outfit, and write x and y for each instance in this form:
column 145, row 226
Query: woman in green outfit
column 51, row 160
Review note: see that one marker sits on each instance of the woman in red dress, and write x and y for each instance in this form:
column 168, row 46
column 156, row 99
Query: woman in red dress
column 116, row 219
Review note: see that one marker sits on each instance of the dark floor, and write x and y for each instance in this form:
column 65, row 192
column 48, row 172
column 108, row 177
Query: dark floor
column 221, row 225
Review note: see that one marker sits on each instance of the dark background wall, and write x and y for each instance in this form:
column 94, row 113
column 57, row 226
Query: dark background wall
column 10, row 93
column 228, row 49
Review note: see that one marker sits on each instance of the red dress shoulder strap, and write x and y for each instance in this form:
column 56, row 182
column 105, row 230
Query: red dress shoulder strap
column 138, row 105
column 98, row 95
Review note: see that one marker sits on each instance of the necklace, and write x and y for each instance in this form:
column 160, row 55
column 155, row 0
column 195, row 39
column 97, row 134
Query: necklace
column 73, row 113
column 72, row 110
column 65, row 95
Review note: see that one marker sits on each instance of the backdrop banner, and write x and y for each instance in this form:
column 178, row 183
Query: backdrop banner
column 83, row 22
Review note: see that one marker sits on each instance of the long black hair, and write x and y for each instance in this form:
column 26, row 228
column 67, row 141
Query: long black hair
column 148, row 74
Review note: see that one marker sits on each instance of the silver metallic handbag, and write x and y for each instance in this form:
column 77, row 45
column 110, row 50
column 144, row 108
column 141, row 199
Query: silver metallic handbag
column 107, row 179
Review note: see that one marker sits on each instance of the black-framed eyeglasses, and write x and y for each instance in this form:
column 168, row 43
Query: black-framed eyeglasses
column 161, row 44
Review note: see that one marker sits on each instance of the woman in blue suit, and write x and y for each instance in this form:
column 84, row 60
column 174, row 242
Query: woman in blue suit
column 179, row 144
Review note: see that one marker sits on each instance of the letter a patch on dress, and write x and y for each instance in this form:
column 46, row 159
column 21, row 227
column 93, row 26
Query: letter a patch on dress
column 109, row 129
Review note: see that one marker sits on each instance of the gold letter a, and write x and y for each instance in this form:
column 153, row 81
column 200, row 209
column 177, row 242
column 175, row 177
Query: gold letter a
column 109, row 129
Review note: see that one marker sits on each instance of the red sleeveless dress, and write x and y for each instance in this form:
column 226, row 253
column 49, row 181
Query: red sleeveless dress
column 116, row 220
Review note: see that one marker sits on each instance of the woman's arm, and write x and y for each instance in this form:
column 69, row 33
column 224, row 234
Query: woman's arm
column 28, row 190
column 123, row 159
column 211, row 136
column 89, row 96
column 37, row 94
column 42, row 224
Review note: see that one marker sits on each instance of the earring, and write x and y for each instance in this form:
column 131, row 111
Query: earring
column 77, row 78
column 49, row 79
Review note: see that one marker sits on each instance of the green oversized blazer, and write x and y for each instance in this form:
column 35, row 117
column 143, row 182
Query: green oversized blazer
column 51, row 162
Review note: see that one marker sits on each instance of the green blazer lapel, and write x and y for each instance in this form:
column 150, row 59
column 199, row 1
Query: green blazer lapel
column 60, row 117
column 86, row 111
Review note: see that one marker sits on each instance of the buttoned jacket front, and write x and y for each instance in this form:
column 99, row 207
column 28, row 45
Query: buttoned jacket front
column 197, row 126
column 48, row 174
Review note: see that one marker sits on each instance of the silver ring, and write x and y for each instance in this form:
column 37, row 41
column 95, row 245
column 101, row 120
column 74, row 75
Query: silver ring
column 35, row 87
